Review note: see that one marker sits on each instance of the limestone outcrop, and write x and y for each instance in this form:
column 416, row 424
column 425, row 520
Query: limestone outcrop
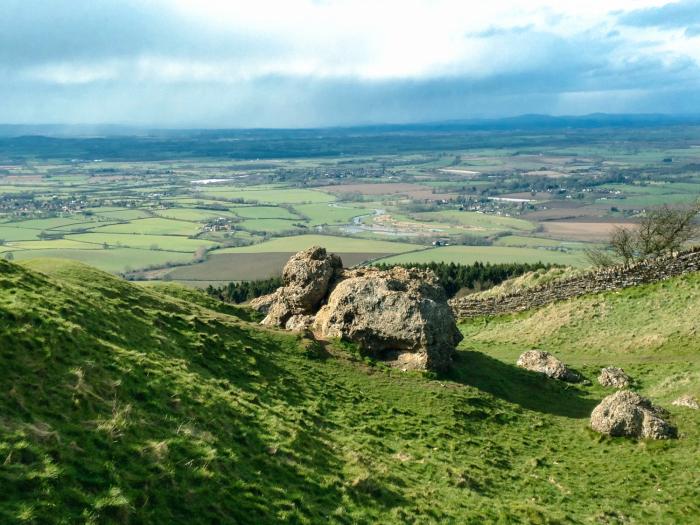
column 399, row 315
column 307, row 277
column 614, row 377
column 545, row 363
column 626, row 413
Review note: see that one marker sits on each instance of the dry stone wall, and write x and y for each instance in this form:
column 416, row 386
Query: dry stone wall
column 613, row 278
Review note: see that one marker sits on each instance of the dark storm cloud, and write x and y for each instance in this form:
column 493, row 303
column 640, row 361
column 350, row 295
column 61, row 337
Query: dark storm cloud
column 676, row 14
column 39, row 31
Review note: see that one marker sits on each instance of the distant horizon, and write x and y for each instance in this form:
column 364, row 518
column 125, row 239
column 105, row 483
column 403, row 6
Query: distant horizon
column 522, row 119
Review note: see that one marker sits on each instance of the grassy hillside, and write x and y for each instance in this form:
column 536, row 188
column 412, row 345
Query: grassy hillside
column 127, row 404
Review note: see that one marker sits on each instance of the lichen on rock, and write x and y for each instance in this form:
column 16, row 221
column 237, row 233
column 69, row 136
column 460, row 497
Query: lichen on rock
column 626, row 413
column 614, row 377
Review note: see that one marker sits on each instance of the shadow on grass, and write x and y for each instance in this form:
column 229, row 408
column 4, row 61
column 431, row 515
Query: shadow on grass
column 530, row 390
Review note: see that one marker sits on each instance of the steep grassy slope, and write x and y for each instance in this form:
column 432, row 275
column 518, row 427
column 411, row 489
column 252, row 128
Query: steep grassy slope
column 125, row 404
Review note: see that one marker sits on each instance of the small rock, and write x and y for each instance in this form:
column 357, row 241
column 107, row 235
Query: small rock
column 687, row 401
column 626, row 413
column 545, row 363
column 614, row 377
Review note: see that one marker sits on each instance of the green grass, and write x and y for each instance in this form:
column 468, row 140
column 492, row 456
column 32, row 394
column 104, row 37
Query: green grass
column 192, row 214
column 536, row 242
column 642, row 201
column 339, row 213
column 269, row 225
column 12, row 233
column 334, row 244
column 491, row 254
column 264, row 212
column 55, row 244
column 267, row 196
column 114, row 260
column 148, row 242
column 57, row 223
column 121, row 214
column 152, row 226
column 478, row 222
column 128, row 404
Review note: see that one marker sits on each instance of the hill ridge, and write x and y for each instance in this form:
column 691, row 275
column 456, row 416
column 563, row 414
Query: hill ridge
column 600, row 280
column 124, row 403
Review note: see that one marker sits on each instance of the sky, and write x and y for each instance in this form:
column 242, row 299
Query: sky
column 307, row 63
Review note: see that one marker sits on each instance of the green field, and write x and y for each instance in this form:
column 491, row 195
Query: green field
column 538, row 242
column 192, row 214
column 267, row 196
column 12, row 233
column 334, row 213
column 490, row 254
column 331, row 243
column 115, row 260
column 148, row 242
column 477, row 221
column 264, row 212
column 55, row 244
column 158, row 404
column 269, row 225
column 121, row 214
column 152, row 226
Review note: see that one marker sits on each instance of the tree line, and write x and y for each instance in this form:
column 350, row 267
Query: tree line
column 453, row 277
column 471, row 277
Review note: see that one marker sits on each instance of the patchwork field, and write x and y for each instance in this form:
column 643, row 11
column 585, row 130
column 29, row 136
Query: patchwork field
column 488, row 197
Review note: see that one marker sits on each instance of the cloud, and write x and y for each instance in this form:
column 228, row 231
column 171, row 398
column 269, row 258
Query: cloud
column 311, row 62
column 672, row 15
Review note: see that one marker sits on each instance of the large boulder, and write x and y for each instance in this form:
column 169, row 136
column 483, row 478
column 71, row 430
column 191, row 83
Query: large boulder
column 398, row 315
column 614, row 377
column 307, row 277
column 626, row 413
column 545, row 363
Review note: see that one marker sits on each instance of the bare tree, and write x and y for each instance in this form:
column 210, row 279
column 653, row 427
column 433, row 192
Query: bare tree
column 660, row 232
column 666, row 230
column 623, row 243
column 599, row 257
